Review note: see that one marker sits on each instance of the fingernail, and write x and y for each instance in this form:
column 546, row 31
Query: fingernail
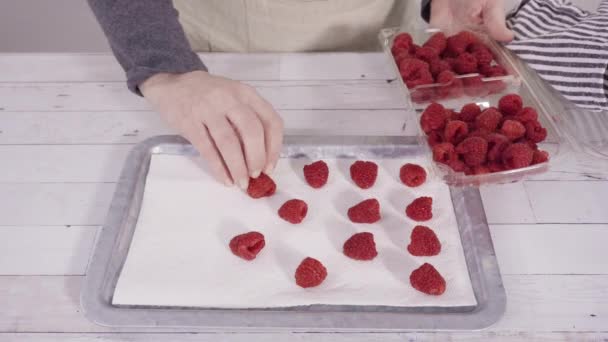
column 243, row 183
column 256, row 174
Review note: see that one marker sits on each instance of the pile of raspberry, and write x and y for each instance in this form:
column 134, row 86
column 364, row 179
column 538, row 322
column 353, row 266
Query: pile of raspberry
column 440, row 59
column 360, row 246
column 480, row 141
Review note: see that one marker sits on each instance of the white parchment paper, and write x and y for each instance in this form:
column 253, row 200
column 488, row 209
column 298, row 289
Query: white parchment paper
column 179, row 254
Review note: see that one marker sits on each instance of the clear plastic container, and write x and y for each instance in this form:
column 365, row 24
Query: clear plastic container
column 520, row 80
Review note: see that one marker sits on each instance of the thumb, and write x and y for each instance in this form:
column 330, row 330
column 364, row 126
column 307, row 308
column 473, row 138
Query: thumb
column 495, row 23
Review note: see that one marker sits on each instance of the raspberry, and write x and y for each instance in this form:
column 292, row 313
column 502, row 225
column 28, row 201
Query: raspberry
column 513, row 130
column 444, row 153
column 427, row 54
column 455, row 131
column 367, row 211
column 364, row 173
column 446, row 79
column 478, row 46
column 489, row 119
column 465, row 63
column 452, row 115
column 480, row 132
column 263, row 186
column 293, row 211
column 460, row 42
column 438, row 41
column 496, row 166
column 474, row 150
column 415, row 72
column 482, row 55
column 423, row 242
column 360, row 246
column 510, row 104
column 316, row 174
column 493, row 70
column 426, row 279
column 310, row 273
column 517, row 156
column 527, row 114
column 248, row 245
column 434, row 138
column 530, row 144
column 400, row 55
column 474, row 86
column 433, row 118
column 458, row 165
column 412, row 175
column 496, row 145
column 436, row 66
column 404, row 41
column 469, row 112
column 421, row 209
column 540, row 157
column 535, row 132
column 480, row 170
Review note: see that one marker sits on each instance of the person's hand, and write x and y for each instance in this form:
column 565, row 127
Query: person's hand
column 454, row 15
column 234, row 129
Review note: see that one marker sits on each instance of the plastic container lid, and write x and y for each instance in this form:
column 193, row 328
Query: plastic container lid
column 570, row 128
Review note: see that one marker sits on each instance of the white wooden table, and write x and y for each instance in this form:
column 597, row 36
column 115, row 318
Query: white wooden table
column 67, row 123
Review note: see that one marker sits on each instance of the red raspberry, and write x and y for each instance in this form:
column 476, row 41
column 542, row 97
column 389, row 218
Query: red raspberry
column 480, row 170
column 527, row 114
column 452, row 115
column 458, row 165
column 360, row 246
column 480, row 132
column 400, row 55
column 415, row 72
column 437, row 41
column 427, row 54
column 530, row 144
column 444, row 153
column 437, row 66
column 424, row 242
column 412, row 175
column 496, row 145
column 434, row 138
column 496, row 166
column 310, row 273
column 482, row 55
column 535, row 132
column 248, row 245
column 421, row 209
column 512, row 129
column 510, row 104
column 364, row 173
column 293, row 211
column 489, row 119
column 517, row 156
column 433, row 118
column 540, row 157
column 493, row 70
column 469, row 112
column 474, row 150
column 475, row 87
column 478, row 46
column 447, row 79
column 455, row 131
column 367, row 211
column 404, row 40
column 263, row 186
column 466, row 63
column 460, row 42
column 316, row 174
column 426, row 279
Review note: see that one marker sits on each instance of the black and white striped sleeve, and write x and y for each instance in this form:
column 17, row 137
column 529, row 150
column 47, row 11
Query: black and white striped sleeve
column 567, row 46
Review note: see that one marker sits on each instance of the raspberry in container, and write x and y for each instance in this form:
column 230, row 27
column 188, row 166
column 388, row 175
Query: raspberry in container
column 478, row 128
column 436, row 66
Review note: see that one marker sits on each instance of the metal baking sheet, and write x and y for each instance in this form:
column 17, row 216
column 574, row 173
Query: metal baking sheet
column 115, row 238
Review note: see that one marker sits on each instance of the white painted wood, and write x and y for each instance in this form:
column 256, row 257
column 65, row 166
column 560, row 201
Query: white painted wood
column 62, row 163
column 496, row 197
column 535, row 304
column 298, row 337
column 54, row 203
column 374, row 94
column 520, row 249
column 568, row 202
column 551, row 248
column 335, row 66
column 135, row 126
column 45, row 250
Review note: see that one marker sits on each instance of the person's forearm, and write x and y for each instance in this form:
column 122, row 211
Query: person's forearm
column 146, row 38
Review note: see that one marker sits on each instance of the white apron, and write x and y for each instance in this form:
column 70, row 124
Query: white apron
column 292, row 25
